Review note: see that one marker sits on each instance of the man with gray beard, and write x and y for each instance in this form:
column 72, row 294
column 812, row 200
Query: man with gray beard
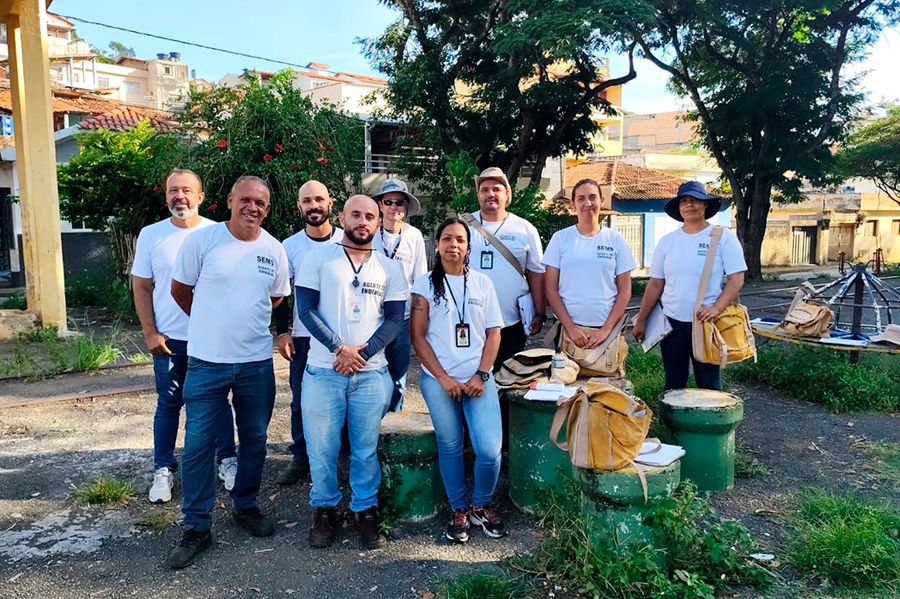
column 165, row 328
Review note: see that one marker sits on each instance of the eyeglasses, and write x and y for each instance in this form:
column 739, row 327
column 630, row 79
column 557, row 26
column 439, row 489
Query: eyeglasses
column 398, row 203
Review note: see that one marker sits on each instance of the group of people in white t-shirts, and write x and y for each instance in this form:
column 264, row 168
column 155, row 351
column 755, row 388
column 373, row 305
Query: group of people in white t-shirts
column 364, row 298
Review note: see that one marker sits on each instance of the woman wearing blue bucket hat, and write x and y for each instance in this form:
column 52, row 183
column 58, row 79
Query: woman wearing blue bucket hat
column 675, row 274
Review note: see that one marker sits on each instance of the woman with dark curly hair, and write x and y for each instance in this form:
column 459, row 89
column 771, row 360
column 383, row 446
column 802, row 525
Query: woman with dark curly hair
column 455, row 328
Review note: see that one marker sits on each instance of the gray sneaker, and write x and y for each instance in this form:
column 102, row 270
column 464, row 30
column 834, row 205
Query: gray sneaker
column 228, row 472
column 161, row 489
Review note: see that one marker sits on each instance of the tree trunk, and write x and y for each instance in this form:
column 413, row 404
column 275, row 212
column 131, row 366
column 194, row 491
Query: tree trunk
column 751, row 219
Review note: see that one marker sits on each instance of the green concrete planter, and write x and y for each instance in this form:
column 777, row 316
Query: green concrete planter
column 613, row 501
column 411, row 485
column 703, row 423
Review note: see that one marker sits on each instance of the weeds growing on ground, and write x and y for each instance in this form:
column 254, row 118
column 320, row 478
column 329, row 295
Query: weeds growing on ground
column 825, row 376
column 40, row 335
column 141, row 358
column 15, row 301
column 846, row 541
column 483, row 586
column 105, row 490
column 886, row 459
column 157, row 520
column 91, row 354
column 746, row 466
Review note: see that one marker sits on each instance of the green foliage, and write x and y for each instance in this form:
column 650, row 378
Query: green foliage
column 100, row 291
column 21, row 363
column 15, row 301
column 885, row 459
column 846, row 541
column 482, row 586
column 105, row 491
column 157, row 520
column 873, row 152
column 91, row 354
column 116, row 51
column 275, row 132
column 638, row 286
column 703, row 554
column 40, row 335
column 746, row 466
column 824, row 376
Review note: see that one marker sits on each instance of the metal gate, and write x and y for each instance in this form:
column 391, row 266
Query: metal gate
column 631, row 226
column 7, row 235
column 840, row 240
column 803, row 250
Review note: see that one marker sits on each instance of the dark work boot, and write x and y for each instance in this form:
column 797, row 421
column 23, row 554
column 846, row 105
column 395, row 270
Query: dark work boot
column 192, row 543
column 324, row 524
column 253, row 521
column 293, row 472
column 368, row 522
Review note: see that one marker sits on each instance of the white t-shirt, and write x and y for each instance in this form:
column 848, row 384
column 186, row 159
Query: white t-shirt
column 679, row 258
column 482, row 313
column 297, row 246
column 233, row 281
column 410, row 253
column 522, row 239
column 352, row 313
column 154, row 257
column 588, row 267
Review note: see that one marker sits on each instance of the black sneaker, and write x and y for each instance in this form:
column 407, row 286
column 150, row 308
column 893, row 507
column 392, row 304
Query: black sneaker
column 458, row 529
column 324, row 524
column 187, row 550
column 253, row 521
column 488, row 520
column 368, row 523
column 294, row 471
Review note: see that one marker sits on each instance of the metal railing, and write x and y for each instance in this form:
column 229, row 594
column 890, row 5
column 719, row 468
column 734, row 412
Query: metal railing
column 387, row 163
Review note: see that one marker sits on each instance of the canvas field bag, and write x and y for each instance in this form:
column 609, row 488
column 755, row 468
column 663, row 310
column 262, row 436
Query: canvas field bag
column 728, row 338
column 605, row 427
column 808, row 314
column 533, row 366
column 605, row 360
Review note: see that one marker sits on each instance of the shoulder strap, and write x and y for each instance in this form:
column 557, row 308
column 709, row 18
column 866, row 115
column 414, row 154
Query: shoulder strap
column 504, row 251
column 598, row 351
column 714, row 236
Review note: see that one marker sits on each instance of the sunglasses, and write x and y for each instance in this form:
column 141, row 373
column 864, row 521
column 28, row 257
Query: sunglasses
column 397, row 203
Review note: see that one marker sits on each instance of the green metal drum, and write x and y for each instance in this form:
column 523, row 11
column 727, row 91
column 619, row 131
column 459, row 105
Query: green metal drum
column 534, row 462
column 411, row 484
column 703, row 422
column 612, row 502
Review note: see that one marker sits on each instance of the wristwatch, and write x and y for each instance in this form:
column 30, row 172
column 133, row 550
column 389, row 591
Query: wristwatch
column 484, row 375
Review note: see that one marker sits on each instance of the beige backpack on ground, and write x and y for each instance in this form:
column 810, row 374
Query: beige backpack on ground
column 808, row 314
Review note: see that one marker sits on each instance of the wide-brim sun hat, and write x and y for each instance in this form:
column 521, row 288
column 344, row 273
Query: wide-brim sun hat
column 891, row 334
column 398, row 186
column 693, row 189
column 496, row 174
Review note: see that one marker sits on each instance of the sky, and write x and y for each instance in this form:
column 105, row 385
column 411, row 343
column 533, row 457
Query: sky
column 301, row 31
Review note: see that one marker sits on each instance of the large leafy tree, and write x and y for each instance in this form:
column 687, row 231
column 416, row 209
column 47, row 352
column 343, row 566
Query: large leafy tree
column 873, row 152
column 768, row 82
column 508, row 82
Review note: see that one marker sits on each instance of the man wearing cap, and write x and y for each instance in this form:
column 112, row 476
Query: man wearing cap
column 314, row 204
column 404, row 244
column 520, row 239
column 675, row 274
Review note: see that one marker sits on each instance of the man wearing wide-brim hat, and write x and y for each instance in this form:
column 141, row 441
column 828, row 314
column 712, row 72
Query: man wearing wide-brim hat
column 404, row 243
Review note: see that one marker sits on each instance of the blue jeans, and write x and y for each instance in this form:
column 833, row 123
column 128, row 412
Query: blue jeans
column 298, row 365
column 677, row 353
column 170, row 371
column 329, row 399
column 252, row 386
column 482, row 414
column 398, row 354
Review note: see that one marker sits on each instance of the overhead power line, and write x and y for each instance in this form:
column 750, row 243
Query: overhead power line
column 187, row 43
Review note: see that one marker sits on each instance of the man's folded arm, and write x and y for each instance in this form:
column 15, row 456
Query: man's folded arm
column 308, row 309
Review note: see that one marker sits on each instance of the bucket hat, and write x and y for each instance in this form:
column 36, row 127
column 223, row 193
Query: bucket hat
column 494, row 173
column 398, row 186
column 891, row 334
column 693, row 189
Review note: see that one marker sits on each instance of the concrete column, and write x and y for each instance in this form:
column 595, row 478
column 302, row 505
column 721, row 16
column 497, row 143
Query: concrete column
column 29, row 76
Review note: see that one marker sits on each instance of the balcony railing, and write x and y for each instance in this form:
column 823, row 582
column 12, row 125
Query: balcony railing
column 387, row 163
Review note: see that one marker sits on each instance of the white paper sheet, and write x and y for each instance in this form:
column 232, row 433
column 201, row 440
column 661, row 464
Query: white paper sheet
column 656, row 328
column 662, row 457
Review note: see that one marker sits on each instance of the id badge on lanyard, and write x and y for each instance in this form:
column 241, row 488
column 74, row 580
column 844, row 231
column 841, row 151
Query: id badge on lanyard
column 462, row 335
column 487, row 260
column 354, row 311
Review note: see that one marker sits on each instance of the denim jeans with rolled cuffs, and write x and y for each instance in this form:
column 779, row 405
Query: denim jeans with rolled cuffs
column 169, row 371
column 329, row 399
column 450, row 416
column 297, row 368
column 252, row 387
column 398, row 354
column 677, row 352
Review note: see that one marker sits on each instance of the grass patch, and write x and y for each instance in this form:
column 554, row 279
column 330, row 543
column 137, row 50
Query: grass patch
column 141, row 358
column 40, row 335
column 15, row 301
column 483, row 586
column 105, row 490
column 885, row 459
column 846, row 541
column 746, row 466
column 645, row 371
column 91, row 354
column 158, row 520
column 824, row 376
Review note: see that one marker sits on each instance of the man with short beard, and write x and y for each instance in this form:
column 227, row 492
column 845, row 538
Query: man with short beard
column 314, row 204
column 165, row 328
column 351, row 300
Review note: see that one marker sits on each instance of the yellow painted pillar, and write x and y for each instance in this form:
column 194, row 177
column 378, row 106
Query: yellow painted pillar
column 29, row 75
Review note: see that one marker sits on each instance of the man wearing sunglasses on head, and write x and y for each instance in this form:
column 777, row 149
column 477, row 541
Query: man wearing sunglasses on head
column 403, row 243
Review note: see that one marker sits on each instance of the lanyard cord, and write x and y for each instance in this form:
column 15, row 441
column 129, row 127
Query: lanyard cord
column 384, row 244
column 503, row 222
column 356, row 271
column 462, row 315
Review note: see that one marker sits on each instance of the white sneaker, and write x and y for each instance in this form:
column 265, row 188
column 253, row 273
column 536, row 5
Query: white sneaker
column 227, row 472
column 161, row 489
